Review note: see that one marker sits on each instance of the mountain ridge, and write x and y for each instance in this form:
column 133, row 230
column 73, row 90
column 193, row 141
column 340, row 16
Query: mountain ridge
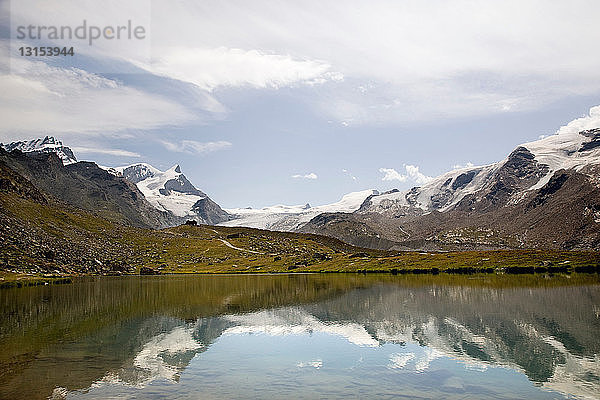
column 86, row 186
column 48, row 144
column 563, row 150
column 544, row 194
column 516, row 202
column 291, row 218
column 169, row 192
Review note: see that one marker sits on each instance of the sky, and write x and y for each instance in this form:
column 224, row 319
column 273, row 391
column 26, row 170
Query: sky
column 287, row 102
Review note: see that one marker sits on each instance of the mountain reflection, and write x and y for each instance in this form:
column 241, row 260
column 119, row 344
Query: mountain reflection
column 549, row 333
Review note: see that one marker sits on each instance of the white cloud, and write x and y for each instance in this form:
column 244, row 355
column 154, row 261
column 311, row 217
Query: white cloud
column 318, row 363
column 391, row 174
column 194, row 147
column 212, row 68
column 460, row 166
column 65, row 101
column 400, row 61
column 590, row 121
column 311, row 175
column 108, row 13
column 111, row 152
column 349, row 174
column 404, row 61
column 399, row 361
column 412, row 173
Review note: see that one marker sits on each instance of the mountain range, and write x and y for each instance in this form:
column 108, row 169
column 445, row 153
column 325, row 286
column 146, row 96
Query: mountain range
column 544, row 194
column 137, row 194
column 292, row 218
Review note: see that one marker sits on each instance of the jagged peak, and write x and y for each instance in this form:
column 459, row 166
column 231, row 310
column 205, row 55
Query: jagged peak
column 51, row 140
column 47, row 144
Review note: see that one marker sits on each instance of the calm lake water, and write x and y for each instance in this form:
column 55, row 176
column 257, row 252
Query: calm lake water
column 303, row 336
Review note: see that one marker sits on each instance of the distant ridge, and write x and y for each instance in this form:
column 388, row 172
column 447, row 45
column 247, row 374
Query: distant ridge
column 169, row 192
column 544, row 194
column 290, row 218
column 48, row 144
column 86, row 186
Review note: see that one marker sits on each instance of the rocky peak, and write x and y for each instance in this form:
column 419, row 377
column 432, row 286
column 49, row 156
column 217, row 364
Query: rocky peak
column 171, row 191
column 180, row 184
column 594, row 135
column 48, row 144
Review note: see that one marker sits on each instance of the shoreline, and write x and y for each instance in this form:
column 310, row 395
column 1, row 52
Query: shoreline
column 21, row 281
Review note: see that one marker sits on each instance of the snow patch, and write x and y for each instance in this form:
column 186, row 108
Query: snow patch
column 288, row 218
column 153, row 183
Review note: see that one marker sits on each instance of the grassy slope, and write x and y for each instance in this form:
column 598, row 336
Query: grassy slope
column 83, row 243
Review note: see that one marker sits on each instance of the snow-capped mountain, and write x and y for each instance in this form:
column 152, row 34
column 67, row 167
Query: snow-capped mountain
column 546, row 193
column 574, row 146
column 289, row 218
column 167, row 191
column 171, row 191
column 46, row 145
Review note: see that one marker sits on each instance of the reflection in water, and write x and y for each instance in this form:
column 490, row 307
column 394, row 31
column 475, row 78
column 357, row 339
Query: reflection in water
column 303, row 336
column 162, row 357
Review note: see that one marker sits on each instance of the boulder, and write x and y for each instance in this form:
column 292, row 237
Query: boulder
column 149, row 271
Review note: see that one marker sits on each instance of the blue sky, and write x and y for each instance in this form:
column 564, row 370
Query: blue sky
column 291, row 102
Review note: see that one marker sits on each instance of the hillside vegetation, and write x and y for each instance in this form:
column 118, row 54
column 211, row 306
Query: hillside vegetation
column 43, row 235
column 39, row 239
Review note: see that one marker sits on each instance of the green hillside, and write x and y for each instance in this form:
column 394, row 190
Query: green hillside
column 41, row 239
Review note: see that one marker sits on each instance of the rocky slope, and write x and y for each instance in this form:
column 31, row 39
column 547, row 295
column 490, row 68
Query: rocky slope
column 169, row 192
column 86, row 186
column 544, row 194
column 41, row 233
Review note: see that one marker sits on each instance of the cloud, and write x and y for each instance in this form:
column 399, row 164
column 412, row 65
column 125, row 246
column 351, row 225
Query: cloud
column 412, row 173
column 399, row 360
column 378, row 63
column 590, row 121
column 212, row 68
column 311, row 175
column 109, row 13
column 194, row 147
column 111, row 152
column 460, row 166
column 42, row 98
column 318, row 363
column 391, row 174
column 401, row 61
column 348, row 173
column 415, row 175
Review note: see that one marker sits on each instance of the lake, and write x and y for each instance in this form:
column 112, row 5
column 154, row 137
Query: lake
column 303, row 337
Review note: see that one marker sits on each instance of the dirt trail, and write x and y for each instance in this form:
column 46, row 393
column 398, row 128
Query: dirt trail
column 226, row 243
